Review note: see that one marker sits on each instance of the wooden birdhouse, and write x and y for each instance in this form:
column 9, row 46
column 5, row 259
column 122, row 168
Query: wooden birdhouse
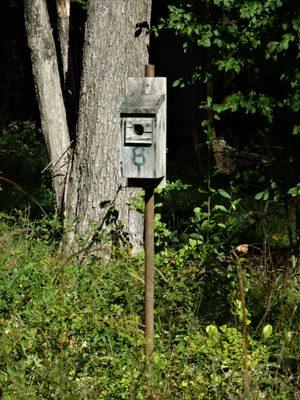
column 143, row 129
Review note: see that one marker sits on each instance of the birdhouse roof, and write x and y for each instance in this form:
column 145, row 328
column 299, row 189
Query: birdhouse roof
column 142, row 104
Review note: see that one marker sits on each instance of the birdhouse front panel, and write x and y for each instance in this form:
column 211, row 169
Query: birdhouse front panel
column 143, row 129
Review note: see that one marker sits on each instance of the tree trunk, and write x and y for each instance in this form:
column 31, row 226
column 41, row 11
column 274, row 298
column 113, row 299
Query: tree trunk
column 63, row 25
column 48, row 91
column 70, row 86
column 112, row 52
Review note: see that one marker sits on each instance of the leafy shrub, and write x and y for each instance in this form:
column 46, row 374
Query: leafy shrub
column 75, row 331
column 22, row 159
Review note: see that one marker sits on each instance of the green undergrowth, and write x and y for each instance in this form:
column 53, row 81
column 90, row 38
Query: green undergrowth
column 74, row 330
column 25, row 179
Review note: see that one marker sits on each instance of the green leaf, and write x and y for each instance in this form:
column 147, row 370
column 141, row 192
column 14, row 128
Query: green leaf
column 220, row 207
column 209, row 101
column 296, row 130
column 212, row 332
column 197, row 211
column 273, row 185
column 177, row 82
column 259, row 196
column 236, row 202
column 267, row 331
column 294, row 191
column 223, row 193
column 192, row 242
column 197, row 236
column 266, row 195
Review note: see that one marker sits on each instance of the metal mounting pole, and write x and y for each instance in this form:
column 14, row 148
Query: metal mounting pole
column 149, row 258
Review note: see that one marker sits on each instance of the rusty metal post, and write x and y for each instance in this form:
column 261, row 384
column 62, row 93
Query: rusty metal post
column 149, row 272
column 149, row 260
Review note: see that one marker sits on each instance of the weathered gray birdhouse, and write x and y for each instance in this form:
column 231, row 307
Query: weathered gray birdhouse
column 143, row 129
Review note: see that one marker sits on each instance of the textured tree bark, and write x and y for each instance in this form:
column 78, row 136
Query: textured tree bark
column 48, row 91
column 63, row 25
column 70, row 86
column 112, row 52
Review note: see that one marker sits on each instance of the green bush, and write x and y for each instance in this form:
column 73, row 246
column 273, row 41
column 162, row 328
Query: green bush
column 23, row 157
column 72, row 330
